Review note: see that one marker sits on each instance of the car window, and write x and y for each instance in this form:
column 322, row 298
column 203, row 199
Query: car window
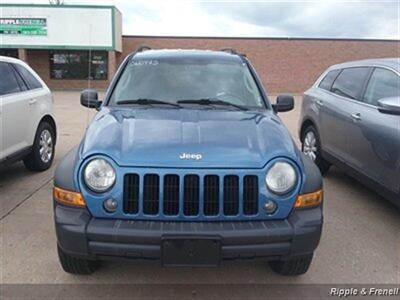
column 175, row 79
column 383, row 83
column 326, row 83
column 21, row 82
column 30, row 80
column 8, row 82
column 350, row 82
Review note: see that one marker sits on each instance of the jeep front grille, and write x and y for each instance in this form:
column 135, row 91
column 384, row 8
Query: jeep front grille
column 250, row 195
column 171, row 195
column 190, row 195
column 131, row 194
column 231, row 195
column 211, row 195
column 151, row 194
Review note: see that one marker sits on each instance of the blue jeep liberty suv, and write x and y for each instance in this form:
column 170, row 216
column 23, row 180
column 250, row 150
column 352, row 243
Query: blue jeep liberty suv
column 187, row 162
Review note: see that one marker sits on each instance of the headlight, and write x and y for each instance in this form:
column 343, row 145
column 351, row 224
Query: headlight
column 99, row 175
column 281, row 178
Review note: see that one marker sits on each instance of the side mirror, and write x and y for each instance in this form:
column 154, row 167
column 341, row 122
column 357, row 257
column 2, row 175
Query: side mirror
column 90, row 99
column 390, row 105
column 283, row 103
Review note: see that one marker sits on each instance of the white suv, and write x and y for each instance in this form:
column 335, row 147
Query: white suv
column 27, row 127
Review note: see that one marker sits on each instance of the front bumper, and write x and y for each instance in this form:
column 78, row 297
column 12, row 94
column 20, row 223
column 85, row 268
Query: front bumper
column 81, row 235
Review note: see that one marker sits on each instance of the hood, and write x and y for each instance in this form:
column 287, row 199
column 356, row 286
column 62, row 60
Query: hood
column 187, row 138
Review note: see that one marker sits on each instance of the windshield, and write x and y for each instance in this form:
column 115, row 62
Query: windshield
column 181, row 79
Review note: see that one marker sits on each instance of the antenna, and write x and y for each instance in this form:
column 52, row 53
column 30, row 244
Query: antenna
column 143, row 48
column 56, row 2
column 232, row 51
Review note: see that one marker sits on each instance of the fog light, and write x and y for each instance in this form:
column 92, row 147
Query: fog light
column 270, row 206
column 110, row 205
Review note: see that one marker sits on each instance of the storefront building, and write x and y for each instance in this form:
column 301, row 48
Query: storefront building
column 80, row 46
column 67, row 45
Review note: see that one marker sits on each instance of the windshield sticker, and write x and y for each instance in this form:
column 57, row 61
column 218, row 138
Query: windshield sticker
column 151, row 62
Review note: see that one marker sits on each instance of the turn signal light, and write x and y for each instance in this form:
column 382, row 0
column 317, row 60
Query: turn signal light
column 309, row 200
column 68, row 198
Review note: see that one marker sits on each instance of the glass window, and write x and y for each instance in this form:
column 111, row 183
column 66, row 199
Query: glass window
column 172, row 79
column 8, row 82
column 350, row 82
column 30, row 80
column 383, row 83
column 79, row 65
column 9, row 52
column 326, row 83
column 99, row 66
column 20, row 81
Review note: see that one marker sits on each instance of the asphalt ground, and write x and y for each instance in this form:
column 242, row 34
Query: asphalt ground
column 360, row 242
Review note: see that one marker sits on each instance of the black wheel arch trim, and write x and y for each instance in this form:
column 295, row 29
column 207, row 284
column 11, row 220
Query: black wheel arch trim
column 313, row 178
column 65, row 171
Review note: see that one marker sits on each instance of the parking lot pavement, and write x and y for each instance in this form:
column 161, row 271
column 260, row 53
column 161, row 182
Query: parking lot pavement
column 360, row 241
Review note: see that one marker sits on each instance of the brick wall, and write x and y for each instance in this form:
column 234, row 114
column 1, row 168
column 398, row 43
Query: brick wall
column 283, row 65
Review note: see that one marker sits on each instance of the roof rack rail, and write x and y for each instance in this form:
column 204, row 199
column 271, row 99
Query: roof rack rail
column 142, row 48
column 232, row 51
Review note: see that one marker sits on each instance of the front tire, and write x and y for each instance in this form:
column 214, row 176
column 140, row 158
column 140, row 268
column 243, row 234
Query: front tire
column 311, row 147
column 75, row 265
column 294, row 266
column 43, row 149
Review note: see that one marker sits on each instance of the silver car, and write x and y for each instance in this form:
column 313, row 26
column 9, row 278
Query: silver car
column 27, row 126
column 351, row 118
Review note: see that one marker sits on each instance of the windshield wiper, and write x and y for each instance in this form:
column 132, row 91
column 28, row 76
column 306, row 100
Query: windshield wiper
column 143, row 101
column 212, row 101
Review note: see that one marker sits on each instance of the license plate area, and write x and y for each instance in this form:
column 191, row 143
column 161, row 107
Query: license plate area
column 190, row 251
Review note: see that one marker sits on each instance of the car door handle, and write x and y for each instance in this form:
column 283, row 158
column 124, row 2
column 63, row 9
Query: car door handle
column 32, row 101
column 320, row 103
column 356, row 117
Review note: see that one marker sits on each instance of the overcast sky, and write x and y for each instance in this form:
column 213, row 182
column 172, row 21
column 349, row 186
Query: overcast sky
column 378, row 19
